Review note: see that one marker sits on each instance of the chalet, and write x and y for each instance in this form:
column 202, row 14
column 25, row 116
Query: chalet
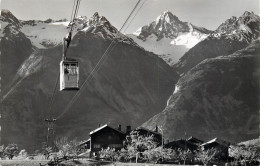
column 106, row 136
column 146, row 132
column 220, row 145
column 181, row 144
column 194, row 141
column 85, row 144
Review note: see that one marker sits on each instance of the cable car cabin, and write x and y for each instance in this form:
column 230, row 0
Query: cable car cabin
column 69, row 74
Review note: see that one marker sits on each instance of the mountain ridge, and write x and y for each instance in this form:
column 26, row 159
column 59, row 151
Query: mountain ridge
column 223, row 41
column 222, row 89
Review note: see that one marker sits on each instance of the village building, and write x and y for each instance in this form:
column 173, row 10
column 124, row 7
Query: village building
column 195, row 141
column 103, row 137
column 106, row 136
column 181, row 144
column 146, row 132
column 220, row 145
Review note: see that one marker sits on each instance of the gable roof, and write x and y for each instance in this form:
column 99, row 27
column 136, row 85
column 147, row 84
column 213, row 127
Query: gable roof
column 142, row 128
column 195, row 140
column 216, row 140
column 84, row 141
column 182, row 144
column 105, row 126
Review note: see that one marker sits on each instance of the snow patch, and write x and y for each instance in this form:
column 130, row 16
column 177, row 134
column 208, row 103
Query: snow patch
column 165, row 48
column 189, row 39
column 30, row 65
column 177, row 89
column 42, row 33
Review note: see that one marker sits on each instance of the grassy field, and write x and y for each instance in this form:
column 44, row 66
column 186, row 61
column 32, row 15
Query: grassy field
column 71, row 163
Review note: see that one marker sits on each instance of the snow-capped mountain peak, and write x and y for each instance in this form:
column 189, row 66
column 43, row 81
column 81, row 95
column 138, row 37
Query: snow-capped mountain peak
column 245, row 27
column 169, row 37
column 100, row 26
column 166, row 25
column 167, row 17
column 8, row 17
column 50, row 33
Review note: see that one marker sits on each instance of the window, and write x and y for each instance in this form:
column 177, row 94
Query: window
column 96, row 146
column 70, row 69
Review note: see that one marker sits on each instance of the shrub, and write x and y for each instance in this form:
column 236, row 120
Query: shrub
column 66, row 147
column 109, row 154
column 11, row 150
column 22, row 154
column 46, row 151
column 160, row 153
column 205, row 156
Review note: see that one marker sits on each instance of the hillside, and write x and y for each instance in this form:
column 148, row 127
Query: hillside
column 219, row 97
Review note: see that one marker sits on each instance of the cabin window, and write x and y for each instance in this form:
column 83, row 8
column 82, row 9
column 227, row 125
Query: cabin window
column 70, row 69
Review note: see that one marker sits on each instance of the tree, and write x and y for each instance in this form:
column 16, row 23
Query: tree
column 11, row 150
column 2, row 154
column 66, row 147
column 22, row 154
column 137, row 144
column 245, row 153
column 47, row 150
column 160, row 153
column 205, row 156
column 184, row 155
column 109, row 154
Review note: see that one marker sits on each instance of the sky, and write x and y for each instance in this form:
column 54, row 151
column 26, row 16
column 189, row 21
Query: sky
column 205, row 13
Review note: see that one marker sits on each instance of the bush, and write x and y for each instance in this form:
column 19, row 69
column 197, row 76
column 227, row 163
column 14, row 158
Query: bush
column 66, row 147
column 11, row 150
column 160, row 153
column 109, row 154
column 22, row 154
column 185, row 155
column 205, row 156
column 2, row 153
column 46, row 151
column 245, row 153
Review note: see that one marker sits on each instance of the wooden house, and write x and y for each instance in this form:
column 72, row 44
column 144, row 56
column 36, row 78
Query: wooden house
column 106, row 136
column 181, row 144
column 220, row 145
column 146, row 132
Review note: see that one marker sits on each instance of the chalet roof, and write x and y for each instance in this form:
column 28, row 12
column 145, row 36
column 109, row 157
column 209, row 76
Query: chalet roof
column 181, row 143
column 105, row 126
column 84, row 141
column 194, row 140
column 151, row 131
column 216, row 140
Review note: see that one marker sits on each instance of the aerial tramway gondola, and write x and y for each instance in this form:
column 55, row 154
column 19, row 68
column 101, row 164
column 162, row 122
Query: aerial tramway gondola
column 69, row 68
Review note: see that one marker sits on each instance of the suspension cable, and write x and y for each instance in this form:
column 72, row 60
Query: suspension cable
column 57, row 79
column 97, row 67
column 53, row 94
column 72, row 11
column 135, row 15
column 75, row 14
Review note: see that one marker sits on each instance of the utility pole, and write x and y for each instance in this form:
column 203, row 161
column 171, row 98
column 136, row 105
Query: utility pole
column 50, row 132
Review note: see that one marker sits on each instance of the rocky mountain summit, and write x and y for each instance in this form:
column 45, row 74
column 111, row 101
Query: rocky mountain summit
column 169, row 37
column 234, row 34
